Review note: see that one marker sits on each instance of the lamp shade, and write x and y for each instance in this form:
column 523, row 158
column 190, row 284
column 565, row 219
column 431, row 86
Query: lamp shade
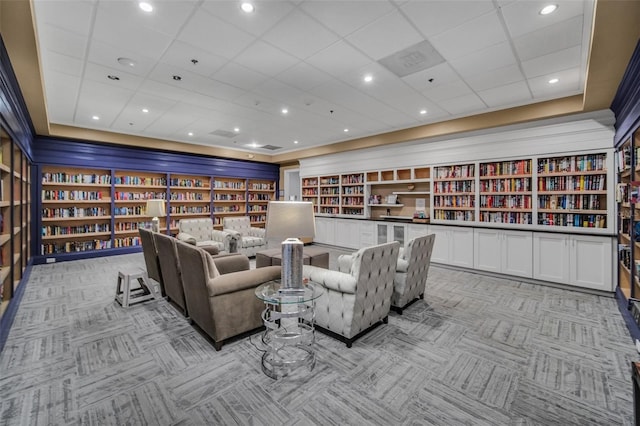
column 155, row 208
column 290, row 219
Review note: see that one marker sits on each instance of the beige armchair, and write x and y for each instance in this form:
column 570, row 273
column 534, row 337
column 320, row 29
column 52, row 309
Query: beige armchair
column 358, row 296
column 171, row 270
column 151, row 260
column 250, row 239
column 220, row 294
column 200, row 232
column 411, row 272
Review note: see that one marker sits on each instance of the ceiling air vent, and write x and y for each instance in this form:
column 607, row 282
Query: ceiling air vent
column 223, row 133
column 271, row 147
column 415, row 58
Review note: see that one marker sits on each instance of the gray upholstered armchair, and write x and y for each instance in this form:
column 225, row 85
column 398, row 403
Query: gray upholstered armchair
column 200, row 232
column 151, row 260
column 171, row 270
column 411, row 272
column 250, row 239
column 357, row 296
column 220, row 293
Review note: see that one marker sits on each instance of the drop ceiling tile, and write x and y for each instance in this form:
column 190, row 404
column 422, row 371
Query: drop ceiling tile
column 62, row 93
column 387, row 35
column 215, row 36
column 181, row 54
column 286, row 96
column 303, row 76
column 455, row 89
column 568, row 85
column 300, row 36
column 345, row 17
column 463, row 105
column 523, row 17
column 469, row 37
column 167, row 17
column 435, row 17
column 195, row 83
column 556, row 61
column 102, row 100
column 440, row 74
column 62, row 41
column 100, row 73
column 494, row 78
column 266, row 15
column 60, row 63
column 497, row 56
column 73, row 16
column 266, row 59
column 339, row 58
column 106, row 55
column 239, row 76
column 511, row 94
column 412, row 104
column 552, row 38
column 132, row 113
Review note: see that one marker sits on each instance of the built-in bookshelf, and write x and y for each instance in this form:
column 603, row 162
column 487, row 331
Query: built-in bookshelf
column 454, row 192
column 572, row 191
column 76, row 210
column 189, row 197
column 309, row 188
column 505, row 192
column 229, row 199
column 329, row 195
column 353, row 194
column 628, row 202
column 259, row 193
column 132, row 189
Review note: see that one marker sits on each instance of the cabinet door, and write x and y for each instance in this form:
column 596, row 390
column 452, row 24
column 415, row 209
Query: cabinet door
column 397, row 233
column 487, row 249
column 441, row 245
column 381, row 233
column 461, row 250
column 347, row 233
column 551, row 257
column 416, row 230
column 591, row 265
column 367, row 234
column 517, row 253
column 325, row 231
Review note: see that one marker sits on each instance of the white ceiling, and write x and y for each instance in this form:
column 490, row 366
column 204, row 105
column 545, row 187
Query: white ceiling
column 308, row 56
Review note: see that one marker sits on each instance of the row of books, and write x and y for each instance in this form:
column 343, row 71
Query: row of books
column 454, row 201
column 258, row 208
column 519, row 167
column 188, row 183
column 455, row 186
column 572, row 183
column 359, row 178
column 506, row 185
column 569, row 202
column 140, row 180
column 74, row 246
column 57, row 195
column 260, row 197
column 254, row 218
column 188, row 196
column 506, row 201
column 329, row 210
column 139, row 196
column 466, row 215
column 225, row 209
column 189, row 209
column 506, row 217
column 577, row 163
column 63, row 177
column 261, row 186
column 459, row 171
column 353, row 201
column 74, row 212
column 127, row 242
column 78, row 229
column 573, row 220
column 131, row 226
column 350, row 190
column 351, row 211
column 330, row 191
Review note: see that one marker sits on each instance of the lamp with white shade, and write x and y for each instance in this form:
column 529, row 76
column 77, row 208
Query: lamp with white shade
column 155, row 209
column 291, row 220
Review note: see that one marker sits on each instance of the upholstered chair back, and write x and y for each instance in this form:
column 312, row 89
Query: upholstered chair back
column 151, row 257
column 412, row 270
column 242, row 224
column 171, row 270
column 200, row 228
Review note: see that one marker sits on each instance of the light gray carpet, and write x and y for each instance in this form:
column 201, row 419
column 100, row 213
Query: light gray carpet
column 477, row 351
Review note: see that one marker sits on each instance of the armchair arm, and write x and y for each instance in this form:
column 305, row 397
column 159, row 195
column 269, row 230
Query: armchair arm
column 225, row 236
column 257, row 232
column 344, row 263
column 241, row 280
column 334, row 280
column 402, row 266
column 187, row 238
column 234, row 262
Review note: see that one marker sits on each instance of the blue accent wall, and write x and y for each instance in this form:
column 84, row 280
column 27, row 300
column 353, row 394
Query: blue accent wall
column 626, row 103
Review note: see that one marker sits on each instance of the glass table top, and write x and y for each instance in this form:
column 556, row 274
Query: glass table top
column 272, row 293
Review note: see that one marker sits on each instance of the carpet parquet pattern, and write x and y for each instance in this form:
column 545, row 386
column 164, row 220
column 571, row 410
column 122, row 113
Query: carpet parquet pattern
column 478, row 350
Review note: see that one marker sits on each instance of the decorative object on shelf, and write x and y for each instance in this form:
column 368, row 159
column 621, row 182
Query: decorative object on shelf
column 392, row 199
column 155, row 209
column 291, row 220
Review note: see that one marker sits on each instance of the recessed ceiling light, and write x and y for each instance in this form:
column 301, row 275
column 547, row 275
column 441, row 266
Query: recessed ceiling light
column 553, row 81
column 247, row 7
column 236, row 129
column 127, row 62
column 177, row 78
column 190, row 133
column 113, row 77
column 95, row 117
column 145, row 110
column 346, row 130
column 295, row 141
column 285, row 111
column 423, row 111
column 548, row 9
column 368, row 78
column 145, row 6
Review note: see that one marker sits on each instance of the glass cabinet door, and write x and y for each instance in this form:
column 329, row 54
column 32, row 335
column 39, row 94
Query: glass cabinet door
column 382, row 233
column 398, row 234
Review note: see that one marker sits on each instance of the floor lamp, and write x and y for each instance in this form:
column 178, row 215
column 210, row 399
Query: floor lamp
column 155, row 209
column 291, row 220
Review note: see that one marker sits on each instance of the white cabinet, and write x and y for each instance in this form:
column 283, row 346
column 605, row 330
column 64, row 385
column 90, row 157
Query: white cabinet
column 347, row 233
column 415, row 230
column 367, row 233
column 579, row 260
column 505, row 252
column 325, row 230
column 390, row 231
column 453, row 245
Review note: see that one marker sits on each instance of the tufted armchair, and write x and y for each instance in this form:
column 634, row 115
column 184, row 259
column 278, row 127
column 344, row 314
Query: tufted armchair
column 151, row 259
column 200, row 233
column 250, row 240
column 357, row 296
column 411, row 272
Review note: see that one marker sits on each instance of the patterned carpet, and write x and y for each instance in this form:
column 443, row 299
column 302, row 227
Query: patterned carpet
column 477, row 351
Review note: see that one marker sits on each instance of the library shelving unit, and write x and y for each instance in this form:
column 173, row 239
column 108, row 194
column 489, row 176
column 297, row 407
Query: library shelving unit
column 76, row 210
column 627, row 188
column 229, row 199
column 408, row 188
column 189, row 197
column 309, row 187
column 259, row 193
column 329, row 195
column 131, row 191
column 506, row 192
column 352, row 194
column 454, row 193
column 572, row 191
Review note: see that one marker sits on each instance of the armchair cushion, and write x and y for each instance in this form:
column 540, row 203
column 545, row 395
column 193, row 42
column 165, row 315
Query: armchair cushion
column 250, row 239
